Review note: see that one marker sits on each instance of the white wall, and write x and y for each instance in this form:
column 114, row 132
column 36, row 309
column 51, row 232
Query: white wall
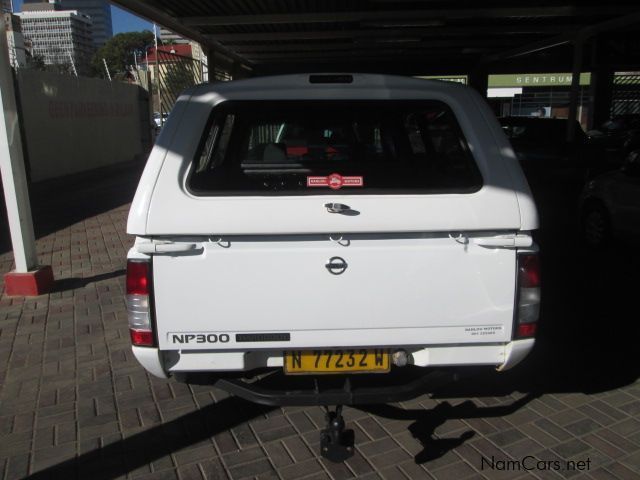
column 75, row 124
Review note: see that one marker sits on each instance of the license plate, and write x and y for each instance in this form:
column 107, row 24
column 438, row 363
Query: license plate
column 336, row 361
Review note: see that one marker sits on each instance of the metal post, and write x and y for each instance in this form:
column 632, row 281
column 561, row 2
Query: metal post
column 157, row 74
column 204, row 64
column 73, row 65
column 106, row 68
column 479, row 80
column 236, row 71
column 601, row 88
column 578, row 45
column 211, row 64
column 14, row 179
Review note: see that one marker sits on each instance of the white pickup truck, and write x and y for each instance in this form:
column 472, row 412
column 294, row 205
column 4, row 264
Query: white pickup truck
column 326, row 227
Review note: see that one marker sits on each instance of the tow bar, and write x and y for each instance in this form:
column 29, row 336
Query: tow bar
column 336, row 443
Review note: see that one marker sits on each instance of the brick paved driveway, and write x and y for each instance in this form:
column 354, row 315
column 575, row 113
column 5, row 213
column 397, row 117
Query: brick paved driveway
column 75, row 404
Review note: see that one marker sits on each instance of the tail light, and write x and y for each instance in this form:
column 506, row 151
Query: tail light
column 138, row 303
column 528, row 295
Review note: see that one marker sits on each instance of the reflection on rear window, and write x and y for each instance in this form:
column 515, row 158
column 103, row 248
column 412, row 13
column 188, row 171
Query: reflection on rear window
column 365, row 147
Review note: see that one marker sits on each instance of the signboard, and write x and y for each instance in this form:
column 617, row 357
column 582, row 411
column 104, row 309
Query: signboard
column 536, row 80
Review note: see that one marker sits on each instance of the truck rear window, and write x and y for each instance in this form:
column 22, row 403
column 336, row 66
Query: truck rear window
column 322, row 147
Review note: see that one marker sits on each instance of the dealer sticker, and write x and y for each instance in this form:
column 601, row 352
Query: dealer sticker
column 335, row 181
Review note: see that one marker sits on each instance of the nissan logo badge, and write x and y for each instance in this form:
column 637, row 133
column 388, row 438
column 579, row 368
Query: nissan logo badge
column 336, row 265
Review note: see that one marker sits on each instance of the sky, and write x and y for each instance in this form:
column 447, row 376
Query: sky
column 122, row 20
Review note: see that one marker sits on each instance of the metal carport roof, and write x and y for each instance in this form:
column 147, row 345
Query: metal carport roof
column 402, row 36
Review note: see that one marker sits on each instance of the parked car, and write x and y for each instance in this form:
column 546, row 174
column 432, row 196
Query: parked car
column 610, row 204
column 614, row 131
column 615, row 139
column 541, row 144
column 159, row 119
column 335, row 232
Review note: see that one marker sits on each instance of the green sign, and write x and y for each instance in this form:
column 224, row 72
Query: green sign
column 536, row 80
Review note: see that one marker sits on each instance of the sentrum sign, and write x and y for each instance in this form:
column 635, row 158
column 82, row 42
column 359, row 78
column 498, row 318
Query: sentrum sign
column 536, row 80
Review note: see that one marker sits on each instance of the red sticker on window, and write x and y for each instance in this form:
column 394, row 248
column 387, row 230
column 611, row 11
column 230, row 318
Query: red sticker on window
column 335, row 181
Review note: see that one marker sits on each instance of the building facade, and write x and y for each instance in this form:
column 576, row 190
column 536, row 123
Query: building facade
column 100, row 13
column 15, row 40
column 59, row 37
column 167, row 37
column 34, row 5
column 171, row 59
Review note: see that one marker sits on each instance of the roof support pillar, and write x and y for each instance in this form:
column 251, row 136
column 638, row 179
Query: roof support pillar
column 479, row 80
column 210, row 54
column 601, row 95
column 27, row 279
column 601, row 86
column 574, row 93
column 238, row 71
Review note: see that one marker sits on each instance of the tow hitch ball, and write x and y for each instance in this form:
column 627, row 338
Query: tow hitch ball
column 336, row 443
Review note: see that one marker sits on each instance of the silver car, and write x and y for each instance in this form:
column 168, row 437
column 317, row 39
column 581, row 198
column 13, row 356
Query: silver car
column 610, row 204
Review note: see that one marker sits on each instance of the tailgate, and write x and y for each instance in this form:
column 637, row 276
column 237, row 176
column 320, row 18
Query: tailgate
column 314, row 291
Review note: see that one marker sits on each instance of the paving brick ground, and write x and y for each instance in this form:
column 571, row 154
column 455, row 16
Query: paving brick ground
column 75, row 403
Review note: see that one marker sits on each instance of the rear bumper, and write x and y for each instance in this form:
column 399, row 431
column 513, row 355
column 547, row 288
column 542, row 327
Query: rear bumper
column 165, row 363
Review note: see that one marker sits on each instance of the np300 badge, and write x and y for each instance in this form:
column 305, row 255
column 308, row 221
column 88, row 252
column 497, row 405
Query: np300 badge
column 187, row 338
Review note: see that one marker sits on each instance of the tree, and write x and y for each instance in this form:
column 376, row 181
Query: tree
column 63, row 68
column 118, row 52
column 35, row 62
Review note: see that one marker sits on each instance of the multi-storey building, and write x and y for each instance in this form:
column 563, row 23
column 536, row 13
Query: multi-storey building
column 59, row 37
column 7, row 6
column 33, row 5
column 100, row 13
column 98, row 10
column 15, row 40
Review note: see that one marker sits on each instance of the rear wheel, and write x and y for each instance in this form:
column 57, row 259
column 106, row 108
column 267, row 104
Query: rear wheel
column 596, row 226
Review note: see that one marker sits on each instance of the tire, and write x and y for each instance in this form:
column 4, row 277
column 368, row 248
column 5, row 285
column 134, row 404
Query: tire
column 596, row 226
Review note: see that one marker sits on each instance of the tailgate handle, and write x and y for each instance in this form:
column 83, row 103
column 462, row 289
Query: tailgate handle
column 153, row 247
column 336, row 207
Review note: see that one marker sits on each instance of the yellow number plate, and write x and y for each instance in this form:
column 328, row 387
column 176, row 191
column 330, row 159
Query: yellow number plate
column 336, row 361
